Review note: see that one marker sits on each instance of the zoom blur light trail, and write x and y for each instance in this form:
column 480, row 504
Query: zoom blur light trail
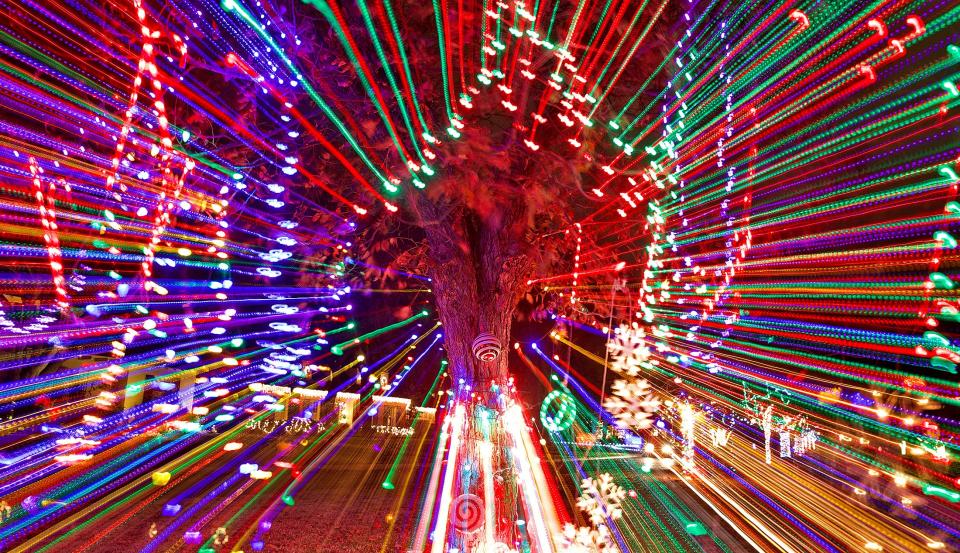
column 338, row 349
column 766, row 196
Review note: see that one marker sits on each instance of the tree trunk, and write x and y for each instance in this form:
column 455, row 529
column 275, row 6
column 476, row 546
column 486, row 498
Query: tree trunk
column 469, row 306
column 478, row 269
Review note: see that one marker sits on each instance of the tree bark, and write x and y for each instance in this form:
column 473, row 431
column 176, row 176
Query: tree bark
column 478, row 271
column 469, row 305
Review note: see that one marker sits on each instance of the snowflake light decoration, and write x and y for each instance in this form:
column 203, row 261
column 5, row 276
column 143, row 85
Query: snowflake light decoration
column 629, row 349
column 601, row 498
column 632, row 403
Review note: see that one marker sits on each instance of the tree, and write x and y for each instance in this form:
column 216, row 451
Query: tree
column 488, row 229
column 492, row 172
column 499, row 212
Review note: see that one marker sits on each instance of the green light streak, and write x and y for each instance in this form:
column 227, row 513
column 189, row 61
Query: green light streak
column 338, row 349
